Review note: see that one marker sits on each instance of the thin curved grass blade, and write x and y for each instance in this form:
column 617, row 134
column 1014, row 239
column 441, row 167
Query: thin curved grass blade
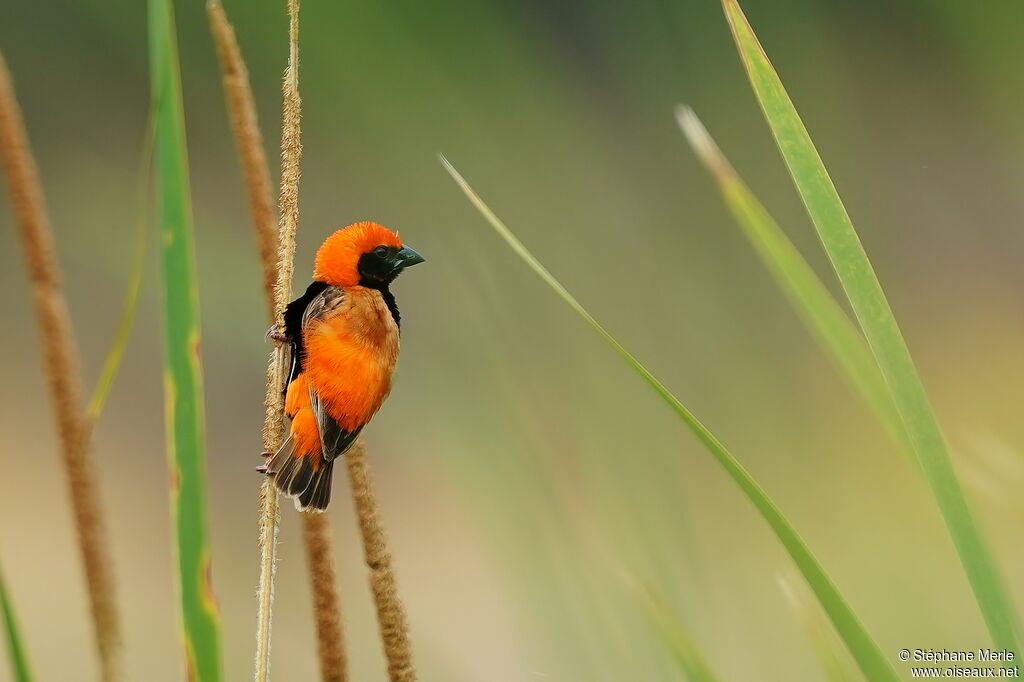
column 182, row 371
column 817, row 308
column 879, row 325
column 818, row 632
column 15, row 650
column 130, row 304
column 691, row 662
column 863, row 648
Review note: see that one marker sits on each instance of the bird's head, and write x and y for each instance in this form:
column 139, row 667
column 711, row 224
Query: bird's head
column 365, row 254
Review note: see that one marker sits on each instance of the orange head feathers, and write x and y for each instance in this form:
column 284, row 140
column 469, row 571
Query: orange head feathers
column 363, row 253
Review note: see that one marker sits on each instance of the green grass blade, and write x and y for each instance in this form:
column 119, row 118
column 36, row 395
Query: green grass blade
column 818, row 632
column 692, row 664
column 112, row 363
column 863, row 648
column 879, row 326
column 182, row 371
column 15, row 649
column 818, row 309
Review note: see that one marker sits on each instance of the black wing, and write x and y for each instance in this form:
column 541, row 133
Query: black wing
column 294, row 314
column 334, row 440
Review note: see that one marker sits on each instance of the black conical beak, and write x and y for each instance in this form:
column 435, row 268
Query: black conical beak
column 406, row 257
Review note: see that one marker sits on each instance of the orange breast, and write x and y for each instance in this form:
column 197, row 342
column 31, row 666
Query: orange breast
column 350, row 357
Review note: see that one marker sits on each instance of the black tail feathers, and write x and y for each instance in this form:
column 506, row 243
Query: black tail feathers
column 305, row 479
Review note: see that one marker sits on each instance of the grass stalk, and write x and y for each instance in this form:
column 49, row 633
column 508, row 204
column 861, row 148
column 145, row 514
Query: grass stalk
column 316, row 536
column 249, row 142
column 865, row 650
column 877, row 321
column 394, row 627
column 60, row 356
column 183, row 380
column 20, row 670
column 274, row 423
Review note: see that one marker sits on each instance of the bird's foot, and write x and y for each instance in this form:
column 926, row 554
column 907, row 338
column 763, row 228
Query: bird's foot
column 263, row 468
column 276, row 334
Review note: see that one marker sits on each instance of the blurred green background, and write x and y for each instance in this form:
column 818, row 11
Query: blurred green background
column 528, row 480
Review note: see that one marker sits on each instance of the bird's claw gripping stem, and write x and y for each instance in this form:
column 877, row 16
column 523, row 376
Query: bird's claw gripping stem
column 276, row 334
column 263, row 468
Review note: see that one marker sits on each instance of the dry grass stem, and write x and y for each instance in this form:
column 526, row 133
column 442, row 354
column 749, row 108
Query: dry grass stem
column 394, row 628
column 274, row 425
column 249, row 143
column 269, row 517
column 63, row 372
column 317, row 536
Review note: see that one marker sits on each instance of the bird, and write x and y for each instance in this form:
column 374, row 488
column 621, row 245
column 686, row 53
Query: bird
column 342, row 336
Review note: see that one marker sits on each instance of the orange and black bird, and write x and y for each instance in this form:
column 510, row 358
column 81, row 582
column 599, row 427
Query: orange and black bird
column 343, row 337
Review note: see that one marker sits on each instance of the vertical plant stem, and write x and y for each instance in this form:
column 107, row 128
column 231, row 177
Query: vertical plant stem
column 183, row 375
column 249, row 142
column 317, row 537
column 269, row 518
column 394, row 628
column 63, row 373
column 274, row 426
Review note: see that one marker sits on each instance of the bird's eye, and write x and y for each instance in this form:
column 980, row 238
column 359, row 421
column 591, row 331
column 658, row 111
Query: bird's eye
column 381, row 251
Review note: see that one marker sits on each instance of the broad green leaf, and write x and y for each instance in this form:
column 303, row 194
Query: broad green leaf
column 15, row 649
column 182, row 372
column 864, row 649
column 813, row 302
column 879, row 326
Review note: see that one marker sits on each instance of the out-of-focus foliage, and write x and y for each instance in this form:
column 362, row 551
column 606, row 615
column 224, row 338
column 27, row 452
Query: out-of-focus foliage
column 860, row 643
column 15, row 649
column 862, row 288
